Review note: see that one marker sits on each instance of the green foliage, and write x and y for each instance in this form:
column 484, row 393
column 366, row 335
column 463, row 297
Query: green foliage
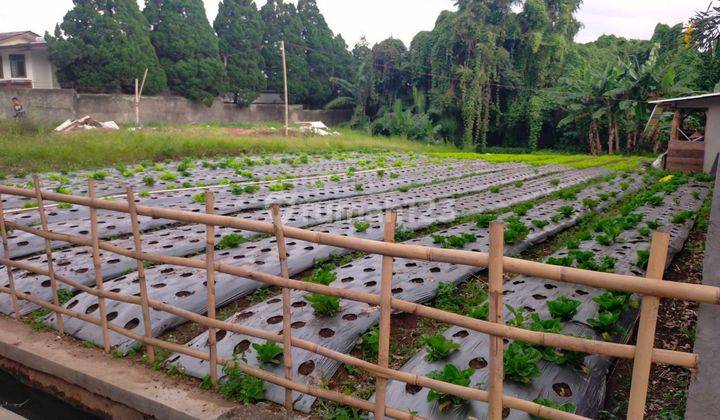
column 447, row 297
column 551, row 325
column 198, row 198
column 206, row 383
column 240, row 386
column 480, row 312
column 324, row 305
column 148, row 180
column 612, row 301
column 103, row 47
column 269, row 353
column 370, row 343
column 99, row 175
column 454, row 241
column 567, row 407
column 403, row 234
column 439, row 347
column 483, row 220
column 523, row 208
column 495, row 189
column 187, row 48
column 566, row 211
column 606, row 323
column 323, row 275
column 451, row 374
column 643, row 256
column 168, row 176
column 540, row 223
column 247, row 189
column 515, row 230
column 520, row 362
column 682, row 216
column 361, row 226
column 590, row 203
column 563, row 308
column 554, row 182
column 229, row 241
column 280, row 186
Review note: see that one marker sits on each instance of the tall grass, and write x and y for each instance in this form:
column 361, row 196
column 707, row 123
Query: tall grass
column 26, row 147
column 579, row 161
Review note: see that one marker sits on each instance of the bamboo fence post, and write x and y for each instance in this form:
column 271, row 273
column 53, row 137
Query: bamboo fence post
column 48, row 252
column 97, row 266
column 385, row 312
column 6, row 252
column 646, row 329
column 495, row 288
column 142, row 284
column 287, row 327
column 210, row 284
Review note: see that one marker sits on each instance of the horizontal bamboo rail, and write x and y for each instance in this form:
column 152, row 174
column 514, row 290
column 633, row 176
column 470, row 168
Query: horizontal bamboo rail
column 650, row 287
column 655, row 287
column 623, row 351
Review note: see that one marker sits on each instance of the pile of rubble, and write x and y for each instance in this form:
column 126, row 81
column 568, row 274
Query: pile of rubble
column 86, row 123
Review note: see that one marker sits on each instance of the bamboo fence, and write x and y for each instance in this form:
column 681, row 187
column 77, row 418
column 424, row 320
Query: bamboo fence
column 644, row 354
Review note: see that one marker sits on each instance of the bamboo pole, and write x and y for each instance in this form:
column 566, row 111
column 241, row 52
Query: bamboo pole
column 285, row 83
column 495, row 288
column 287, row 314
column 626, row 283
column 385, row 312
column 564, row 342
column 646, row 329
column 48, row 251
column 142, row 284
column 210, row 284
column 97, row 266
column 675, row 126
column 258, row 373
column 6, row 253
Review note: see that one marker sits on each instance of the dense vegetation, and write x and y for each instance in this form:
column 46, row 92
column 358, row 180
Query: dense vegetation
column 490, row 73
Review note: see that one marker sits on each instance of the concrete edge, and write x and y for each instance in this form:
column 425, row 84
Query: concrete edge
column 149, row 392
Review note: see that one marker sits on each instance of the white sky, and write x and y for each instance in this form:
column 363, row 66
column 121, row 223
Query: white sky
column 379, row 19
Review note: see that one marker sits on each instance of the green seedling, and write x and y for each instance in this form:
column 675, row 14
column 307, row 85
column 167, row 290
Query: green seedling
column 361, row 226
column 324, row 305
column 540, row 223
column 451, row 374
column 520, row 362
column 563, row 308
column 240, row 386
column 439, row 347
column 269, row 353
column 483, row 220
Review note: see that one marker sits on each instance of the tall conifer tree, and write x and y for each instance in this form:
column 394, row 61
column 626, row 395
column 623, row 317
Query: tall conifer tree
column 187, row 48
column 102, row 46
column 240, row 32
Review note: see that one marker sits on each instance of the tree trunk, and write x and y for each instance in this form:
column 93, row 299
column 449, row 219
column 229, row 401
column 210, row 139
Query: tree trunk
column 611, row 133
column 594, row 138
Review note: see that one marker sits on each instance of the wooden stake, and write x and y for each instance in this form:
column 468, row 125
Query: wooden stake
column 142, row 284
column 6, row 252
column 675, row 126
column 48, row 252
column 495, row 275
column 210, row 282
column 97, row 266
column 138, row 94
column 287, row 104
column 287, row 321
column 646, row 329
column 385, row 312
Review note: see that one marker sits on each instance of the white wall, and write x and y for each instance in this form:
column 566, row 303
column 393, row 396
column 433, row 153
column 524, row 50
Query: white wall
column 712, row 136
column 37, row 67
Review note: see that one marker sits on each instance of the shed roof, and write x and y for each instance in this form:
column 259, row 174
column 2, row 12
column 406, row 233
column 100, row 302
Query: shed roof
column 685, row 99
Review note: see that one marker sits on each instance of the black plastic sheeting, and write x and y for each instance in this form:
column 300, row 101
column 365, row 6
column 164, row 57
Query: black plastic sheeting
column 185, row 240
column 112, row 224
column 558, row 383
column 184, row 287
column 414, row 281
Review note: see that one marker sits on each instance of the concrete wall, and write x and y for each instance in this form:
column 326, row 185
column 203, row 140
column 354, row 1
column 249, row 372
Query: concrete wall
column 712, row 136
column 62, row 104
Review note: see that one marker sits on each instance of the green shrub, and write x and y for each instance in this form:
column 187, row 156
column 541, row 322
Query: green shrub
column 563, row 308
column 269, row 353
column 520, row 362
column 453, row 375
column 439, row 347
column 361, row 226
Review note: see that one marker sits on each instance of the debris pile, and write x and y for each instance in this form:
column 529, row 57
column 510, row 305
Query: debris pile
column 316, row 128
column 86, row 123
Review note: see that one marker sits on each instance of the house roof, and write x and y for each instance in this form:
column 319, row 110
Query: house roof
column 685, row 99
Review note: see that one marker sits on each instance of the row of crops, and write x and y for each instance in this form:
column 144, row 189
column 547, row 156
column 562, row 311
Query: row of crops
column 445, row 204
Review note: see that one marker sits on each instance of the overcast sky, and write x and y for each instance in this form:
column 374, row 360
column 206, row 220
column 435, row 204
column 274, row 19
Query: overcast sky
column 379, row 19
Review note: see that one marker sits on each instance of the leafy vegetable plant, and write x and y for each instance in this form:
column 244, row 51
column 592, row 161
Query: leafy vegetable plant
column 239, row 385
column 451, row 374
column 682, row 217
column 606, row 324
column 566, row 211
column 269, row 353
column 540, row 223
column 520, row 362
column 567, row 407
column 454, row 241
column 643, row 257
column 439, row 347
column 483, row 220
column 361, row 226
column 481, row 311
column 230, row 241
column 563, row 308
column 515, row 230
column 324, row 305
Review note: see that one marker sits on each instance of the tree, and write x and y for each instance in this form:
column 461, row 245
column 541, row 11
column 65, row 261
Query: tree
column 187, row 48
column 102, row 46
column 282, row 22
column 240, row 31
column 327, row 54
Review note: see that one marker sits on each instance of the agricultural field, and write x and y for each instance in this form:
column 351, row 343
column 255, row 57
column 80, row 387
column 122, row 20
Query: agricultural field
column 567, row 210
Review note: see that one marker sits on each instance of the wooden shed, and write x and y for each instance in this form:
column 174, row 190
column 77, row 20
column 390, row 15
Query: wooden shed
column 688, row 152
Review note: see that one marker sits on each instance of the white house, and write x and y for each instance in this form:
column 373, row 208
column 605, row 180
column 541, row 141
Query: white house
column 24, row 62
